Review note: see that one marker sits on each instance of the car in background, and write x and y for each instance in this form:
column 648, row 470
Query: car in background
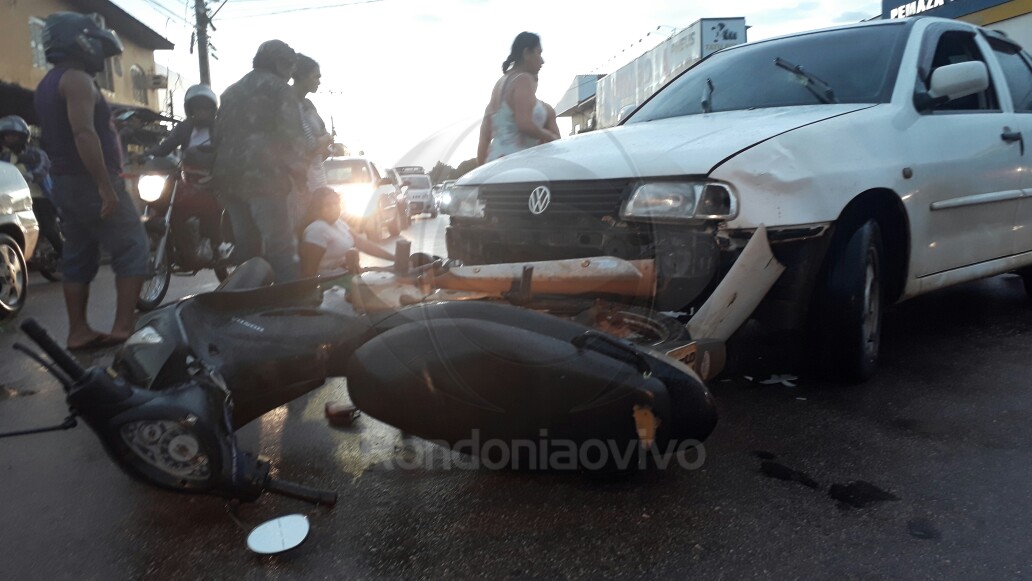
column 19, row 232
column 370, row 199
column 419, row 195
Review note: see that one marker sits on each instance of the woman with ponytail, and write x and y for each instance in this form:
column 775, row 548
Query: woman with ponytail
column 515, row 119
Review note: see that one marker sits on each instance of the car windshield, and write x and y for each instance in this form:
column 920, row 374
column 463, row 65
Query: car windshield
column 347, row 172
column 858, row 65
column 418, row 182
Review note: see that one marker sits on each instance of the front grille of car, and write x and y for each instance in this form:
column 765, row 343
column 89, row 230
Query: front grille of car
column 583, row 199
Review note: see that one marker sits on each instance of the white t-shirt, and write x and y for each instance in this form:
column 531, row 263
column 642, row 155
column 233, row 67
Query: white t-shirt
column 336, row 238
column 200, row 136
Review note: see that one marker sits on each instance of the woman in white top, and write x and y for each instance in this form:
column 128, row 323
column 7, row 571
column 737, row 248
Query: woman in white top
column 327, row 238
column 516, row 119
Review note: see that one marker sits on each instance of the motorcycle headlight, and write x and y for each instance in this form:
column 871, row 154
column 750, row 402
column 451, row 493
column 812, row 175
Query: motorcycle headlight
column 466, row 202
column 145, row 336
column 150, row 187
column 681, row 201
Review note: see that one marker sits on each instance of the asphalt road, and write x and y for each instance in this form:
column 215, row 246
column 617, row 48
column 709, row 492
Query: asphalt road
column 945, row 429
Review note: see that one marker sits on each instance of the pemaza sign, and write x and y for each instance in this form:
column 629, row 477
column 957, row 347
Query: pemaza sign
column 943, row 8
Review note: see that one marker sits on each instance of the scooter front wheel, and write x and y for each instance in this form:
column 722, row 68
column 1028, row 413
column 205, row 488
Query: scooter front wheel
column 155, row 287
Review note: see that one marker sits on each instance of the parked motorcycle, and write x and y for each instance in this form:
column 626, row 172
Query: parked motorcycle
column 179, row 246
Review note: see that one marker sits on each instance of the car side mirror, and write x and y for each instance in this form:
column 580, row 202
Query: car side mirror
column 951, row 82
column 386, row 182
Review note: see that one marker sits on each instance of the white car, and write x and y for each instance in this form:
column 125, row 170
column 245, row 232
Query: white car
column 420, row 199
column 370, row 200
column 19, row 232
column 886, row 160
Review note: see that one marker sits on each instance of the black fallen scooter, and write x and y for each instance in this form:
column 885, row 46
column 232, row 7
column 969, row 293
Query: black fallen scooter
column 197, row 370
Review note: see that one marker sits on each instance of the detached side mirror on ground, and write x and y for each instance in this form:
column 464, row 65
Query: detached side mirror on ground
column 952, row 82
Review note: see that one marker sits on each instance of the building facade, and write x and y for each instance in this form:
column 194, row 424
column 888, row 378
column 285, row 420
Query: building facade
column 129, row 79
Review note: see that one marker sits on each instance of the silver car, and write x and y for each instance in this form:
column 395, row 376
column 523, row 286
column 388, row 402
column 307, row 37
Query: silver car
column 19, row 232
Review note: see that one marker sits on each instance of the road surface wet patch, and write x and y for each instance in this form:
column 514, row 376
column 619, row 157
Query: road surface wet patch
column 859, row 493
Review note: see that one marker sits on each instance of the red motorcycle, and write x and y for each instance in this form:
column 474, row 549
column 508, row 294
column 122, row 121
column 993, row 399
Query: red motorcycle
column 188, row 229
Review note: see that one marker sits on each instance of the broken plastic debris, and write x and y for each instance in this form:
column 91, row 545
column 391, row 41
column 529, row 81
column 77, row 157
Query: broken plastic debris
column 785, row 380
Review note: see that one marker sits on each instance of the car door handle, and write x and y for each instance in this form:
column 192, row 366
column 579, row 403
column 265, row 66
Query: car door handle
column 1012, row 136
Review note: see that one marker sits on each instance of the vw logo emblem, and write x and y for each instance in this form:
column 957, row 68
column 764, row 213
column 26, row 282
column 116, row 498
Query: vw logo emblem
column 539, row 200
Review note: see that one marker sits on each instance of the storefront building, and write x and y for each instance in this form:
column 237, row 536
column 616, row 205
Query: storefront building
column 1012, row 17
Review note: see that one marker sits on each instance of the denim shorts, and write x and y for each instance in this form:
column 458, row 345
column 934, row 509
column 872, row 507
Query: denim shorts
column 121, row 234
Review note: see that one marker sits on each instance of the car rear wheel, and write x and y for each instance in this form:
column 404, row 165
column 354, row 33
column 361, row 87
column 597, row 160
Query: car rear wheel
column 13, row 278
column 374, row 228
column 849, row 303
column 394, row 226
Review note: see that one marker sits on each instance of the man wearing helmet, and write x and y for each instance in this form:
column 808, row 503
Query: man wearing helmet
column 34, row 164
column 200, row 104
column 80, row 137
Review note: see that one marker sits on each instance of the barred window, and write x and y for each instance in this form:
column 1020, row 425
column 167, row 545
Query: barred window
column 140, row 85
column 39, row 57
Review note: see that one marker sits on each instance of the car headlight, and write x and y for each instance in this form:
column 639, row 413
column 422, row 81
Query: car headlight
column 150, row 188
column 446, row 199
column 17, row 201
column 681, row 201
column 466, row 202
column 357, row 199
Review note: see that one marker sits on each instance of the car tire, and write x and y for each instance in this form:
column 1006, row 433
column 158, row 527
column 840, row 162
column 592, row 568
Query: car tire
column 14, row 278
column 374, row 229
column 849, row 299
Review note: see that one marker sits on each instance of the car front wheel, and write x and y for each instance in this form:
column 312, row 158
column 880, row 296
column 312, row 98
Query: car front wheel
column 849, row 304
column 13, row 278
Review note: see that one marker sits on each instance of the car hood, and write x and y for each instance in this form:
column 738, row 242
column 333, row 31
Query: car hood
column 688, row 145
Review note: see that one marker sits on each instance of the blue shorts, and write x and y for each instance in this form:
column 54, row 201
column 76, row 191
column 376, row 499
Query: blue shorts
column 121, row 234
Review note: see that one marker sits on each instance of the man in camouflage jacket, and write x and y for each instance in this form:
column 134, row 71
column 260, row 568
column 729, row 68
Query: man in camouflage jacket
column 260, row 153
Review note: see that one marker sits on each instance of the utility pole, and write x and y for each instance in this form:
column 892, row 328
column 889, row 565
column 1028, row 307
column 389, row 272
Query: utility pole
column 201, row 13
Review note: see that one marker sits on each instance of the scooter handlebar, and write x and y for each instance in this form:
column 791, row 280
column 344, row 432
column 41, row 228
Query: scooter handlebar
column 301, row 492
column 61, row 357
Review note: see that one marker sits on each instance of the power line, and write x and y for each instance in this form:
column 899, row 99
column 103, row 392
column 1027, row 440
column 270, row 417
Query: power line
column 165, row 11
column 301, row 9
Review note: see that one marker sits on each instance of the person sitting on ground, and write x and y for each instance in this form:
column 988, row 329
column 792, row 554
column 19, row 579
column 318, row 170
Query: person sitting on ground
column 327, row 238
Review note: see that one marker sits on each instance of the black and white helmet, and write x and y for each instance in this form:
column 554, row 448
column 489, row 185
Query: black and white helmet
column 14, row 124
column 71, row 36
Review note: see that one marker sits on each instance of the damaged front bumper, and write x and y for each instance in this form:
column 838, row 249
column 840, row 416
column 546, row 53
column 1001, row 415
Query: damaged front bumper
column 690, row 259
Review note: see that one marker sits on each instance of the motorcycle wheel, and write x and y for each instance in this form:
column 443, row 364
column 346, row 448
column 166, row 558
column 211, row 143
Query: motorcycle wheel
column 155, row 287
column 47, row 261
column 222, row 272
column 635, row 324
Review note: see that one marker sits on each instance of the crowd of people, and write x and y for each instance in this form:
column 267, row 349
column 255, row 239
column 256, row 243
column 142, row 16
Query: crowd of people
column 268, row 142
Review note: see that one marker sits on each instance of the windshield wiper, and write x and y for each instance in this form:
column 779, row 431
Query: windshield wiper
column 707, row 97
column 826, row 95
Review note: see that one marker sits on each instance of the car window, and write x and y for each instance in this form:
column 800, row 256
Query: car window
column 418, row 182
column 858, row 64
column 957, row 46
column 347, row 171
column 1018, row 74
